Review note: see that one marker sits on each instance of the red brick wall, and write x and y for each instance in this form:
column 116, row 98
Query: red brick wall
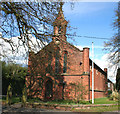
column 98, row 94
column 77, row 64
column 76, row 72
column 75, row 57
column 100, row 82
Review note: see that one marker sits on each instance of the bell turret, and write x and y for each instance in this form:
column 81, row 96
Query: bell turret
column 60, row 25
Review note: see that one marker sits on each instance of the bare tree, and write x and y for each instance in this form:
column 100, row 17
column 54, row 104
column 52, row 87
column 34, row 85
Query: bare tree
column 26, row 19
column 114, row 44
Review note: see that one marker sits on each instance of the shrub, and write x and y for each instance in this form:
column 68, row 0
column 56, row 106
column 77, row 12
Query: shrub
column 9, row 95
column 114, row 96
column 78, row 92
column 24, row 96
column 109, row 92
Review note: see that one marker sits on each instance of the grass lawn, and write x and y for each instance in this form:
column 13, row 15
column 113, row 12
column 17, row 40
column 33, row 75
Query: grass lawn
column 96, row 101
column 104, row 100
column 14, row 99
column 66, row 102
column 70, row 102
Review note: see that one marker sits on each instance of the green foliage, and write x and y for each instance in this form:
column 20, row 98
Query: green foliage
column 14, row 74
column 13, row 71
column 109, row 92
column 9, row 95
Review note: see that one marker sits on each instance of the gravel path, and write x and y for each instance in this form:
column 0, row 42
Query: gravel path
column 18, row 108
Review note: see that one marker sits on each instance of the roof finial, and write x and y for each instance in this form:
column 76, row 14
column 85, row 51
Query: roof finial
column 61, row 11
column 61, row 4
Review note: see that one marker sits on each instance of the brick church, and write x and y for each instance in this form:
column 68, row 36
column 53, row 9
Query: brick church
column 62, row 71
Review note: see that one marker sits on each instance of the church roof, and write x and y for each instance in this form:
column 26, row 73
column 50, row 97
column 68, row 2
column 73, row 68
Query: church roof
column 108, row 80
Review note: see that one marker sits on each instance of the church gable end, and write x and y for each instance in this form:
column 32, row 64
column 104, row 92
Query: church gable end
column 58, row 65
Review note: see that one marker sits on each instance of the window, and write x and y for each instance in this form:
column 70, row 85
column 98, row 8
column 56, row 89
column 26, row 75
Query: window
column 108, row 84
column 57, row 62
column 65, row 63
column 96, row 71
column 49, row 67
column 90, row 67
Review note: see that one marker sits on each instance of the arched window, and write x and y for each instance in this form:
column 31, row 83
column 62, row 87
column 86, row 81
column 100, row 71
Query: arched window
column 65, row 62
column 49, row 67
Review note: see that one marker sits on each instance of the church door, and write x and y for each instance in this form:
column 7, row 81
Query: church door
column 49, row 89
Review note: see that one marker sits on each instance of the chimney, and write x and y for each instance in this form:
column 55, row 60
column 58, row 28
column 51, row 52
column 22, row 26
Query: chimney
column 86, row 60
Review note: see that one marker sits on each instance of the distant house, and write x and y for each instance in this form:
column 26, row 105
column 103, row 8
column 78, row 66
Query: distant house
column 110, row 85
column 60, row 63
